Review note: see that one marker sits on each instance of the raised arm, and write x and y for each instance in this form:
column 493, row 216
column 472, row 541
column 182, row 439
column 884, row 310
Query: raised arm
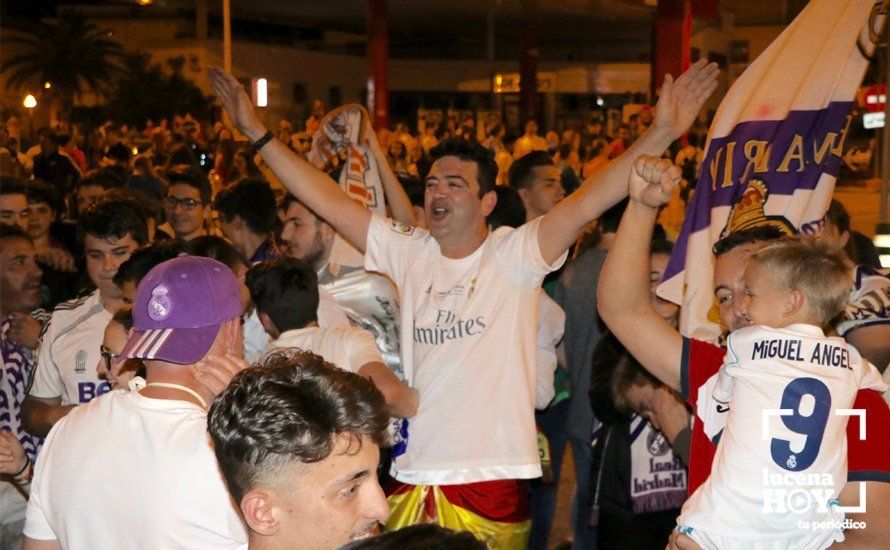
column 676, row 110
column 396, row 198
column 311, row 186
column 623, row 297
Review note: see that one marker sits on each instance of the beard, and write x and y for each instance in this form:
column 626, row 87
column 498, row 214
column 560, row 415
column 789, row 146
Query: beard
column 316, row 253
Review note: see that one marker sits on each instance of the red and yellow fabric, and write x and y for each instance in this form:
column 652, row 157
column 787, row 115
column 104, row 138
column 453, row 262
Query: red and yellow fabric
column 497, row 512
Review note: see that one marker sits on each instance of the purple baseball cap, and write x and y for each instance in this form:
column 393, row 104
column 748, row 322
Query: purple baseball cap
column 179, row 307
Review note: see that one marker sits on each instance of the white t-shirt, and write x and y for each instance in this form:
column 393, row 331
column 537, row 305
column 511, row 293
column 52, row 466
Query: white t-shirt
column 551, row 327
column 468, row 332
column 256, row 340
column 69, row 352
column 348, row 348
column 799, row 369
column 129, row 471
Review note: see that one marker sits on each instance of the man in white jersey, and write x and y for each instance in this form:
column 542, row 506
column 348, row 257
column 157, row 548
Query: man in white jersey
column 468, row 302
column 187, row 321
column 285, row 292
column 110, row 230
column 776, row 479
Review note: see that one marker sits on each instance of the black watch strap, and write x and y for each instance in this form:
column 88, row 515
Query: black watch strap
column 260, row 143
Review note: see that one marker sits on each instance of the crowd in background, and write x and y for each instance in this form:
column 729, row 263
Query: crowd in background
column 192, row 183
column 69, row 171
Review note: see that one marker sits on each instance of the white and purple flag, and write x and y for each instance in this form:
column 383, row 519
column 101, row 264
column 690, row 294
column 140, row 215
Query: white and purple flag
column 774, row 147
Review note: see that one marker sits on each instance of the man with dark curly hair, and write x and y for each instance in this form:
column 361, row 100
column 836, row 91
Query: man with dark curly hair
column 298, row 441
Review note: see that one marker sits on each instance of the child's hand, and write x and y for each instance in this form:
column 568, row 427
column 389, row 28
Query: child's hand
column 12, row 454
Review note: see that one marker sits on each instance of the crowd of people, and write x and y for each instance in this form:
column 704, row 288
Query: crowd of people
column 188, row 362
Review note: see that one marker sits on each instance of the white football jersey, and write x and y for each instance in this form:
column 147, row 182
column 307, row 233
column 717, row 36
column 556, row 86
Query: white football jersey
column 69, row 352
column 782, row 456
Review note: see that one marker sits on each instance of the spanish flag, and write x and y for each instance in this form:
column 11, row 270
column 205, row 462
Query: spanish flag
column 496, row 512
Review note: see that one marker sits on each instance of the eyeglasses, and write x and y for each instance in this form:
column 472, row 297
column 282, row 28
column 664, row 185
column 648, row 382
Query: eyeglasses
column 187, row 204
column 107, row 356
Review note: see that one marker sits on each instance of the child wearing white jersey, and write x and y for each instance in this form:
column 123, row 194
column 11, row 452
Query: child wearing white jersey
column 787, row 389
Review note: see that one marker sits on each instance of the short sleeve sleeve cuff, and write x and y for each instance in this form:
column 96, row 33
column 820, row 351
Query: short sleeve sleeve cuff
column 535, row 249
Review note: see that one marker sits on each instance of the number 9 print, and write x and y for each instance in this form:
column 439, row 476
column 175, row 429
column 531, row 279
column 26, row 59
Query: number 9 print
column 812, row 426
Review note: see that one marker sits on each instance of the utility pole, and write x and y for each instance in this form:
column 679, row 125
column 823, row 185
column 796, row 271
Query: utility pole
column 227, row 37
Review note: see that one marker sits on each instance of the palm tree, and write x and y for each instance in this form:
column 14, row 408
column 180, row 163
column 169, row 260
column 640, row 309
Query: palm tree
column 72, row 54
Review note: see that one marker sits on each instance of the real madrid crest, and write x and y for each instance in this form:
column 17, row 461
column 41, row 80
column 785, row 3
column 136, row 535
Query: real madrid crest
column 160, row 305
column 656, row 443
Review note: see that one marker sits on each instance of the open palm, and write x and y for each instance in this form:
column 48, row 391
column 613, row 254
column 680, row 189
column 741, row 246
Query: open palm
column 682, row 99
column 236, row 102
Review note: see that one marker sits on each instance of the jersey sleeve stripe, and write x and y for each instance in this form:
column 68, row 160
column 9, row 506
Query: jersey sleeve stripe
column 868, row 475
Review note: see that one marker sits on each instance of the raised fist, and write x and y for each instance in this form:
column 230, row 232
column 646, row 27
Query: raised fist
column 653, row 181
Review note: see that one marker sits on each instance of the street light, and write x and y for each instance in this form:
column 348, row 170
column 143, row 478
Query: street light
column 30, row 102
column 260, row 91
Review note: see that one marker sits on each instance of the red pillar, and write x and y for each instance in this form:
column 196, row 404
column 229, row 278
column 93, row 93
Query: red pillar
column 670, row 47
column 528, row 62
column 378, row 54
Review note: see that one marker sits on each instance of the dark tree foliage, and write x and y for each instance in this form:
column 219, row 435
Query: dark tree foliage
column 148, row 91
column 71, row 53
